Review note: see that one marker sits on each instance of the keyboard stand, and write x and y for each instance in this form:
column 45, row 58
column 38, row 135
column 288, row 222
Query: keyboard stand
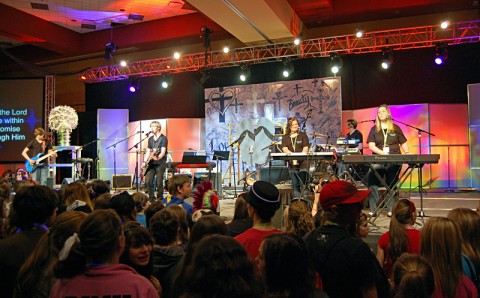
column 390, row 190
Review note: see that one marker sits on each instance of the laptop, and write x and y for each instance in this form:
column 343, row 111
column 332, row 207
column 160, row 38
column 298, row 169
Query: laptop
column 194, row 157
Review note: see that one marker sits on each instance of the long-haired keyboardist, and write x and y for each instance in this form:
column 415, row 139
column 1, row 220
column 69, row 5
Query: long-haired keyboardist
column 384, row 138
column 295, row 140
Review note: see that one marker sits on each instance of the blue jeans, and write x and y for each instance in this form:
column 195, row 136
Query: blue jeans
column 298, row 181
column 40, row 174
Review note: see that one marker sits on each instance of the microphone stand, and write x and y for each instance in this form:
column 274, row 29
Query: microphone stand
column 136, row 159
column 114, row 145
column 88, row 164
column 421, row 190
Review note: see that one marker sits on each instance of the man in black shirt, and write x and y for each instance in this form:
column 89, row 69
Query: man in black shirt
column 155, row 161
column 37, row 149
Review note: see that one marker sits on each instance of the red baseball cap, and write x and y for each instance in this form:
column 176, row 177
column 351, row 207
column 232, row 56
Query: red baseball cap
column 341, row 192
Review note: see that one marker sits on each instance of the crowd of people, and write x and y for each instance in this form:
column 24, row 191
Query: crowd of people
column 84, row 241
column 66, row 244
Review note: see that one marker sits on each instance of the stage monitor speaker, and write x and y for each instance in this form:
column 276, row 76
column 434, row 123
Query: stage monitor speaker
column 277, row 174
column 50, row 182
column 65, row 182
column 122, row 181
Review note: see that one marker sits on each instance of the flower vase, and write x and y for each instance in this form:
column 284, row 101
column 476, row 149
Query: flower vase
column 64, row 137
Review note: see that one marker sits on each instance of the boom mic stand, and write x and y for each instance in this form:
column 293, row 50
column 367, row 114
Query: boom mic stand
column 136, row 158
column 421, row 190
column 114, row 145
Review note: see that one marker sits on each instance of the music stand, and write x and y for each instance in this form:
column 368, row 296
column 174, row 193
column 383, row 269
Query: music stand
column 220, row 155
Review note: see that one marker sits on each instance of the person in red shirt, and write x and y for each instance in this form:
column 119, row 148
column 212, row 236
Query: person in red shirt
column 400, row 238
column 263, row 201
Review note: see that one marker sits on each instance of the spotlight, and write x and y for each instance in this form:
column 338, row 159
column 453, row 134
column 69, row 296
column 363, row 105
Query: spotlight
column 441, row 54
column 176, row 55
column 244, row 72
column 226, row 50
column 83, row 78
column 287, row 68
column 387, row 59
column 444, row 24
column 110, row 49
column 360, row 32
column 297, row 40
column 335, row 64
column 166, row 80
column 134, row 85
column 123, row 63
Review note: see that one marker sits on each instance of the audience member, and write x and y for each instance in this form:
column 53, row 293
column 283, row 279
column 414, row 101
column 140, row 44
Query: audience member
column 204, row 197
column 412, row 277
column 468, row 222
column 206, row 225
column 263, row 201
column 440, row 244
column 294, row 275
column 124, row 205
column 298, row 218
column 142, row 203
column 400, row 238
column 241, row 221
column 76, row 197
column 184, row 232
column 138, row 252
column 362, row 227
column 33, row 210
column 154, row 208
column 164, row 227
column 97, row 188
column 220, row 267
column 36, row 276
column 345, row 263
column 89, row 262
column 103, row 202
column 180, row 188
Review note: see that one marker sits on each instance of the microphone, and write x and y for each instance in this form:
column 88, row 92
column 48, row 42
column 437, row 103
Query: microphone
column 141, row 131
column 367, row 121
column 147, row 134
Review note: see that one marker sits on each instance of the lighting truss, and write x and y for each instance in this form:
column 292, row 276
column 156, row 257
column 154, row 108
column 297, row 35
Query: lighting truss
column 396, row 39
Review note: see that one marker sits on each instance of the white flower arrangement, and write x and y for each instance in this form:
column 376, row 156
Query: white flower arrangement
column 63, row 118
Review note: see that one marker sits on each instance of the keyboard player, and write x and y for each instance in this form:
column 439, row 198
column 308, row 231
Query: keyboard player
column 295, row 140
column 353, row 134
column 384, row 138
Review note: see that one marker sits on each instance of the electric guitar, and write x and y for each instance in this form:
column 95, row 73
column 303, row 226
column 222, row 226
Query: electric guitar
column 148, row 161
column 37, row 158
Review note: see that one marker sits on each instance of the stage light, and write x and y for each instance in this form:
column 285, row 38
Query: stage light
column 297, row 40
column 244, row 72
column 359, row 33
column 226, row 50
column 387, row 59
column 166, row 80
column 134, row 85
column 444, row 24
column 335, row 64
column 110, row 49
column 123, row 63
column 83, row 78
column 176, row 55
column 441, row 54
column 287, row 68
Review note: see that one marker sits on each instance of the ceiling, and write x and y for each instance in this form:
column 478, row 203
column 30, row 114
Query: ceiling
column 57, row 30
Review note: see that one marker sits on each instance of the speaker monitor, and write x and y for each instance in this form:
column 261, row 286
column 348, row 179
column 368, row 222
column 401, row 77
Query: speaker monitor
column 277, row 174
column 123, row 181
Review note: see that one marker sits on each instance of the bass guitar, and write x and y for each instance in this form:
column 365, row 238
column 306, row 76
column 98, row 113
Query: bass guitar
column 37, row 158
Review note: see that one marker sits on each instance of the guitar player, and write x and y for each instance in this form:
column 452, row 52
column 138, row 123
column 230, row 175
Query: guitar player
column 155, row 160
column 31, row 153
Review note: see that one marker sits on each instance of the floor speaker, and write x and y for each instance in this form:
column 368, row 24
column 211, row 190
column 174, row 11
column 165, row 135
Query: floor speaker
column 274, row 175
column 65, row 182
column 122, row 181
